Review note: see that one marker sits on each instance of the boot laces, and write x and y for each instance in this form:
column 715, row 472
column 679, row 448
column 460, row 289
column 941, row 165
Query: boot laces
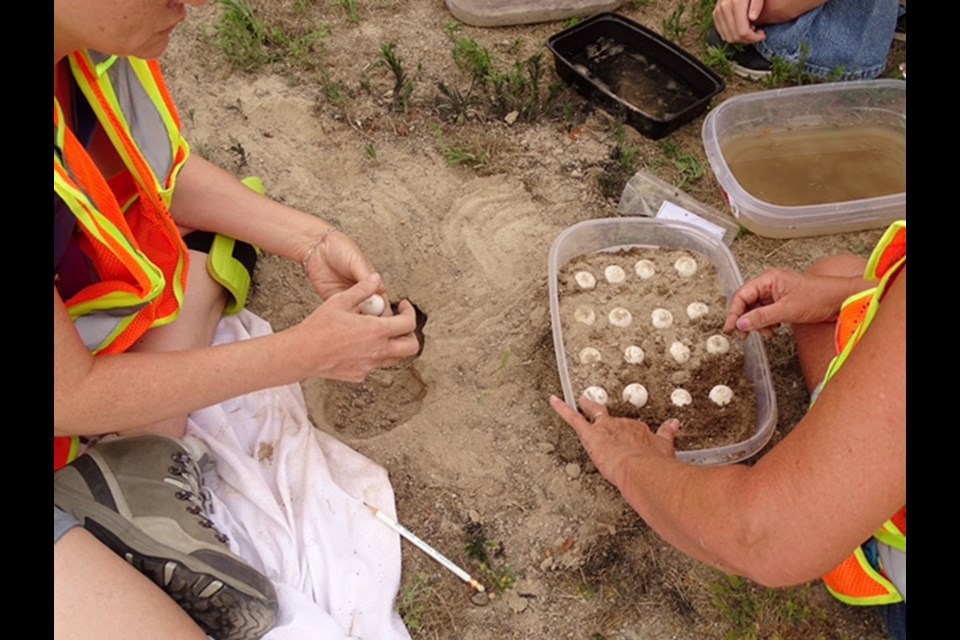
column 185, row 475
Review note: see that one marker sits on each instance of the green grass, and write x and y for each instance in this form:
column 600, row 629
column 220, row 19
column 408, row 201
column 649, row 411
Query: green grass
column 248, row 43
column 402, row 85
column 350, row 6
column 752, row 612
column 673, row 26
column 718, row 59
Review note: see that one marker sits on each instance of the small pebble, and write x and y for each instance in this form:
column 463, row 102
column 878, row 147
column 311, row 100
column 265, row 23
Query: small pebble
column 474, row 515
column 572, row 469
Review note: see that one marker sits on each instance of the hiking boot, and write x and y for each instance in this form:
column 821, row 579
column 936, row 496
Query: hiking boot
column 747, row 61
column 143, row 497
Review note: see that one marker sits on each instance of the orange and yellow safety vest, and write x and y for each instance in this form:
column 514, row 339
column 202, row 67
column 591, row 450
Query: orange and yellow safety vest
column 855, row 581
column 124, row 224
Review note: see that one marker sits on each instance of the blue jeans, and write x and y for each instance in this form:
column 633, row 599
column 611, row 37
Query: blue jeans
column 845, row 39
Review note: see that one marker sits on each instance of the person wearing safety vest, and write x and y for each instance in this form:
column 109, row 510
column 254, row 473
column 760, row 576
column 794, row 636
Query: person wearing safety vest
column 145, row 265
column 841, row 471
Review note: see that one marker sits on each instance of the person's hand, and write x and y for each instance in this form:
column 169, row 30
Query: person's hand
column 346, row 345
column 779, row 296
column 735, row 21
column 337, row 264
column 615, row 443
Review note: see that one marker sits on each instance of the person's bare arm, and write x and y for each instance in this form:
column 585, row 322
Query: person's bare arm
column 114, row 393
column 805, row 505
column 738, row 21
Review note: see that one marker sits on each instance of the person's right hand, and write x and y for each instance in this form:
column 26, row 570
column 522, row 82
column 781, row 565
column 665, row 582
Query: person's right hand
column 735, row 21
column 779, row 296
column 344, row 344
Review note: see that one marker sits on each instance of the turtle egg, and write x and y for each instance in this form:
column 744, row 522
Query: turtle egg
column 620, row 317
column 584, row 315
column 373, row 306
column 662, row 319
column 680, row 397
column 717, row 345
column 635, row 394
column 614, row 274
column 633, row 354
column 721, row 395
column 696, row 310
column 679, row 352
column 589, row 355
column 685, row 266
column 597, row 394
column 585, row 279
column 644, row 269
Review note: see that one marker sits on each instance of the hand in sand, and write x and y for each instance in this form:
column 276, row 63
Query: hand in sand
column 615, row 444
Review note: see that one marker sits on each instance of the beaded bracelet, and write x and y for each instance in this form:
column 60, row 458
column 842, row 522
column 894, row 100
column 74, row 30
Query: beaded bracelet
column 312, row 249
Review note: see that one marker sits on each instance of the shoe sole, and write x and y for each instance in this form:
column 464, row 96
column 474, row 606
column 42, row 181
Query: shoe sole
column 900, row 37
column 223, row 610
column 750, row 74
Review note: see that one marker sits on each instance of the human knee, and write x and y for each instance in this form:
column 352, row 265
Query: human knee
column 842, row 265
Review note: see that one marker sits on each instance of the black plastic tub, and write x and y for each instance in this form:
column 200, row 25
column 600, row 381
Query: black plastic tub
column 633, row 72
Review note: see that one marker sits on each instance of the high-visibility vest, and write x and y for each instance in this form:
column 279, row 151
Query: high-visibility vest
column 124, row 223
column 855, row 581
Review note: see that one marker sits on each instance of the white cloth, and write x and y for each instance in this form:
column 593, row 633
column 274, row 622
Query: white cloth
column 291, row 499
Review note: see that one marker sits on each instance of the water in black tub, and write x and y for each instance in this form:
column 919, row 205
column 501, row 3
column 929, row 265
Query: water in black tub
column 633, row 78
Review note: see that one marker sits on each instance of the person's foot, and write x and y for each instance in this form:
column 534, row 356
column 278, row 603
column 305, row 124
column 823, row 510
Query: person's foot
column 747, row 61
column 143, row 497
column 900, row 33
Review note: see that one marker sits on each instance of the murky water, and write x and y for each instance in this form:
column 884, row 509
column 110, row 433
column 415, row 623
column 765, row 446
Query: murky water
column 817, row 165
column 635, row 79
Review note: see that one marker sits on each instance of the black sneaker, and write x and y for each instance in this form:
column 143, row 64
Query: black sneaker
column 900, row 33
column 747, row 61
column 143, row 497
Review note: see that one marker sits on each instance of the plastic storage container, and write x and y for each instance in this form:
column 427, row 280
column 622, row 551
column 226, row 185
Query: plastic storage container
column 880, row 103
column 613, row 234
column 634, row 72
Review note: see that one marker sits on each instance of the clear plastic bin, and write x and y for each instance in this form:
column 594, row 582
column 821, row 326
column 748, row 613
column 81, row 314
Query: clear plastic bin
column 842, row 104
column 614, row 234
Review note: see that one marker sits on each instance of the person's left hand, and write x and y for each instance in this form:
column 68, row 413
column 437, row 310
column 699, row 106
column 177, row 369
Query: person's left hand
column 614, row 444
column 338, row 264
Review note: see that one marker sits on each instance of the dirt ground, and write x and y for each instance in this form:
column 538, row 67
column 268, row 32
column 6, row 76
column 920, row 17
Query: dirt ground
column 480, row 465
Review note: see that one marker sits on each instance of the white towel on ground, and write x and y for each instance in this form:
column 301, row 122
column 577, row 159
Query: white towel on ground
column 291, row 499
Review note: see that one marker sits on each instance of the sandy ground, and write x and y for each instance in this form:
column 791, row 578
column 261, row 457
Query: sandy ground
column 481, row 467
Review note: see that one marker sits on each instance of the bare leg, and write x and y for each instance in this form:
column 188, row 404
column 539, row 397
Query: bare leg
column 816, row 345
column 97, row 595
column 203, row 307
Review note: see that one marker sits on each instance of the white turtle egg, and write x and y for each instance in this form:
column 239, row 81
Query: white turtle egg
column 373, row 306
column 717, row 345
column 585, row 315
column 597, row 394
column 661, row 318
column 685, row 266
column 645, row 269
column 696, row 310
column 680, row 397
column 620, row 317
column 614, row 274
column 585, row 279
column 633, row 354
column 680, row 352
column 721, row 395
column 636, row 394
column 589, row 355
